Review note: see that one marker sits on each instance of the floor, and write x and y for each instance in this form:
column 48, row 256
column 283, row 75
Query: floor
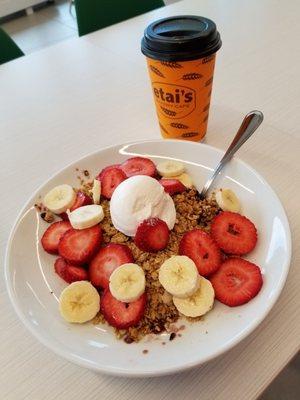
column 287, row 384
column 50, row 23
column 56, row 21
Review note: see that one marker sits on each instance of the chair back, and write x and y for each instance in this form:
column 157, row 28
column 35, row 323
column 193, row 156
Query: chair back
column 8, row 48
column 97, row 14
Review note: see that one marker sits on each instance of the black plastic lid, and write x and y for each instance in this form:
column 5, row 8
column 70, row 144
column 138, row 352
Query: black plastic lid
column 181, row 38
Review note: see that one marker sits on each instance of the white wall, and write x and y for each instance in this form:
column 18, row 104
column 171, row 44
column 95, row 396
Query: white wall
column 10, row 6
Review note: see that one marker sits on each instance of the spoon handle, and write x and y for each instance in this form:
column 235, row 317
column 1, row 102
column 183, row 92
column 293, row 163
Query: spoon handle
column 249, row 125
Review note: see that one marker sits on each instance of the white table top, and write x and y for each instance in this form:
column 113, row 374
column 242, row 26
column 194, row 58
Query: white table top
column 73, row 98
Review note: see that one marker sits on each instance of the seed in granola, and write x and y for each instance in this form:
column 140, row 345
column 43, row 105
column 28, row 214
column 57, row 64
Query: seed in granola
column 38, row 206
column 128, row 339
column 47, row 216
column 86, row 173
column 172, row 336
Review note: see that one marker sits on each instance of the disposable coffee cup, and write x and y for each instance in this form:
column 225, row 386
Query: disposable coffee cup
column 181, row 53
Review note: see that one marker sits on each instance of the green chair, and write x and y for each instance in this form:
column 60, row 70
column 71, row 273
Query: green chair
column 97, row 14
column 8, row 48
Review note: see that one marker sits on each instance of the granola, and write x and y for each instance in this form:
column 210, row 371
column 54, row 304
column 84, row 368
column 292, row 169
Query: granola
column 160, row 313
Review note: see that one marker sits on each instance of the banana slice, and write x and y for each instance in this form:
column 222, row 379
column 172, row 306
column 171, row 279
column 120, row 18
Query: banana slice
column 86, row 216
column 170, row 168
column 79, row 302
column 227, row 200
column 185, row 179
column 179, row 276
column 96, row 191
column 60, row 198
column 199, row 303
column 127, row 282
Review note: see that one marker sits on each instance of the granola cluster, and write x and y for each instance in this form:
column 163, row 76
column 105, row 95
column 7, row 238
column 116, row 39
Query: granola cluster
column 160, row 314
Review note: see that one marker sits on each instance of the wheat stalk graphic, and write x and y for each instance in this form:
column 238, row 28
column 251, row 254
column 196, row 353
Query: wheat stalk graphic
column 156, row 71
column 168, row 112
column 171, row 64
column 178, row 125
column 191, row 76
column 189, row 134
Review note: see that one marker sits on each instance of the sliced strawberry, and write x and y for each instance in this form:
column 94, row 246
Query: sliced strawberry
column 172, row 186
column 201, row 248
column 64, row 216
column 110, row 178
column 236, row 282
column 138, row 166
column 109, row 167
column 69, row 273
column 106, row 261
column 75, row 273
column 122, row 315
column 81, row 200
column 53, row 234
column 152, row 235
column 234, row 233
column 79, row 246
column 60, row 266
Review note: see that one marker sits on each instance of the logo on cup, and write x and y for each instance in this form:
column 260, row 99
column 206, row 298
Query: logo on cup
column 174, row 101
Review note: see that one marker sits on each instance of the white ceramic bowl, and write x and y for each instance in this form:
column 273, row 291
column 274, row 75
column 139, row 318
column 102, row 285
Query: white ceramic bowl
column 34, row 287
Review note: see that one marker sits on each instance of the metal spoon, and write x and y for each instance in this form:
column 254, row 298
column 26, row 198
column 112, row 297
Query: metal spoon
column 249, row 125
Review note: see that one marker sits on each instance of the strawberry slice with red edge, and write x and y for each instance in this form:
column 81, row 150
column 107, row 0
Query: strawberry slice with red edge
column 236, row 282
column 109, row 167
column 138, row 166
column 53, row 234
column 64, row 216
column 81, row 200
column 172, row 186
column 201, row 248
column 79, row 246
column 152, row 235
column 70, row 273
column 110, row 177
column 122, row 315
column 106, row 261
column 234, row 233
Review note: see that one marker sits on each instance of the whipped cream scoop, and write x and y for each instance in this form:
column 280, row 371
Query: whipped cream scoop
column 138, row 198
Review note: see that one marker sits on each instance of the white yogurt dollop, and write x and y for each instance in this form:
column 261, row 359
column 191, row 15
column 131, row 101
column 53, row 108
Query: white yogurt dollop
column 138, row 198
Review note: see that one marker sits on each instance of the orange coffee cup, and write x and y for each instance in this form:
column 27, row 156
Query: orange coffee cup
column 181, row 54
